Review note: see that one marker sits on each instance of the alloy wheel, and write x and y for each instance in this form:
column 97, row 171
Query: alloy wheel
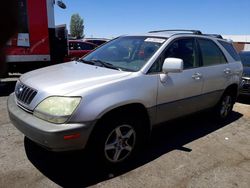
column 120, row 143
column 226, row 106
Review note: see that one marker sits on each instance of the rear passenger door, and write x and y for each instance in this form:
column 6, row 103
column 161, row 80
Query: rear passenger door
column 215, row 70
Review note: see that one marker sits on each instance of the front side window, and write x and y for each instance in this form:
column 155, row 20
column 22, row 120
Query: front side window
column 211, row 53
column 184, row 49
column 129, row 53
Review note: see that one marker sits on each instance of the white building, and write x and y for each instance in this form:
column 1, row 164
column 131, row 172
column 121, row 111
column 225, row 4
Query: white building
column 241, row 42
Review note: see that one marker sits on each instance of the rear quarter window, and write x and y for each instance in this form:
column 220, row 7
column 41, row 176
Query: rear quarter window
column 230, row 49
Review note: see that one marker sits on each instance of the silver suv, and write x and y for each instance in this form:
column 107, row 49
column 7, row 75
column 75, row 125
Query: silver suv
column 110, row 99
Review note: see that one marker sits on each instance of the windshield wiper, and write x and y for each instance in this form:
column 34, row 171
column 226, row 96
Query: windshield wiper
column 85, row 61
column 105, row 64
column 100, row 63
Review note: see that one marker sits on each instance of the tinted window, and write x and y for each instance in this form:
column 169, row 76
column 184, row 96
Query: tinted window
column 210, row 52
column 86, row 46
column 230, row 49
column 74, row 46
column 184, row 49
column 22, row 17
column 97, row 42
column 80, row 46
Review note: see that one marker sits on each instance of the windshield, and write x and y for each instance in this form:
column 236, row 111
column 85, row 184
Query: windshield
column 126, row 53
column 245, row 59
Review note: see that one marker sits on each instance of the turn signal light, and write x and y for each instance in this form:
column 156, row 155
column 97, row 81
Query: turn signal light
column 72, row 136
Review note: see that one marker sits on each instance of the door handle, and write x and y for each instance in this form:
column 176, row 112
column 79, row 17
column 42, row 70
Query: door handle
column 227, row 71
column 196, row 76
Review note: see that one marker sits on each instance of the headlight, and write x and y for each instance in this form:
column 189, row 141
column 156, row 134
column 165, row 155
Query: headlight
column 57, row 109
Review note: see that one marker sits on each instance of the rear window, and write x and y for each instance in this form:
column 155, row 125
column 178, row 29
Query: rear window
column 230, row 49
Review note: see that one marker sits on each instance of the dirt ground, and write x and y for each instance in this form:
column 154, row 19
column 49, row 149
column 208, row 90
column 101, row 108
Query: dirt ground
column 195, row 151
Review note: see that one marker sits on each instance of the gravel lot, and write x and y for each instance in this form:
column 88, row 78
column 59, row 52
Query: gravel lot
column 192, row 152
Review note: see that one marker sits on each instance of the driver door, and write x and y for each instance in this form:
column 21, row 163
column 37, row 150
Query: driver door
column 179, row 94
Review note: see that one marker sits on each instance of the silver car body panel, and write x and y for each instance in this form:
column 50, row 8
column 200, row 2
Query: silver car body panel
column 49, row 135
column 63, row 79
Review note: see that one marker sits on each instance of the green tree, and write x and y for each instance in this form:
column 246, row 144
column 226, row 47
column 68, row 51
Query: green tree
column 76, row 26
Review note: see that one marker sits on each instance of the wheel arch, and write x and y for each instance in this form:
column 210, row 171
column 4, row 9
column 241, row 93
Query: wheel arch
column 233, row 89
column 128, row 109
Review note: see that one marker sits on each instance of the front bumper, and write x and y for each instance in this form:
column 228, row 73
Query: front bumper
column 46, row 134
column 245, row 86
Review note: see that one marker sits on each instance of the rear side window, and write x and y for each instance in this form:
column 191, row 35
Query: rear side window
column 210, row 53
column 86, row 46
column 81, row 46
column 71, row 46
column 74, row 46
column 97, row 42
column 230, row 49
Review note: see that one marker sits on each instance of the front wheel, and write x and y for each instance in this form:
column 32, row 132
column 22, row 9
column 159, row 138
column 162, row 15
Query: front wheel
column 120, row 143
column 117, row 140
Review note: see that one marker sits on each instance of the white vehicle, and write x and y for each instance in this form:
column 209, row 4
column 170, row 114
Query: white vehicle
column 112, row 98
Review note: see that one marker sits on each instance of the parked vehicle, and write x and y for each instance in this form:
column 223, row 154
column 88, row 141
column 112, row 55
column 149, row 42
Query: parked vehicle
column 78, row 48
column 97, row 41
column 245, row 83
column 111, row 99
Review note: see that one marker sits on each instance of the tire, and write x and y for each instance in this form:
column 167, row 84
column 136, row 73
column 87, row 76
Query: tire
column 116, row 140
column 225, row 106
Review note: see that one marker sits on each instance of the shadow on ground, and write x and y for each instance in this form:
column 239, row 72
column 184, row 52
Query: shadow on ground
column 77, row 169
column 244, row 99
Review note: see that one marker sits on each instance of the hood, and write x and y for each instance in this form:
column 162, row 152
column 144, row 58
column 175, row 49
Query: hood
column 246, row 72
column 65, row 78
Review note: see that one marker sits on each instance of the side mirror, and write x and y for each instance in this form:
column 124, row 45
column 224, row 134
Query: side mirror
column 61, row 4
column 173, row 65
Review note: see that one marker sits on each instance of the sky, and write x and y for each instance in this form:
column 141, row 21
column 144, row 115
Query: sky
column 111, row 18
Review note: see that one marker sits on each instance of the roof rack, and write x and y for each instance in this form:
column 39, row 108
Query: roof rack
column 214, row 35
column 197, row 32
column 180, row 31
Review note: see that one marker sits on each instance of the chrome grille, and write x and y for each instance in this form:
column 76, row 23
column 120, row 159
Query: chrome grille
column 245, row 89
column 24, row 93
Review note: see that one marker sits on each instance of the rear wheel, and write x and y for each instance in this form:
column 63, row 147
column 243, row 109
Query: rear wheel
column 224, row 108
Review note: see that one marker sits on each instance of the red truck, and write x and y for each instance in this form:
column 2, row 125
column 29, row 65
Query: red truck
column 38, row 42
